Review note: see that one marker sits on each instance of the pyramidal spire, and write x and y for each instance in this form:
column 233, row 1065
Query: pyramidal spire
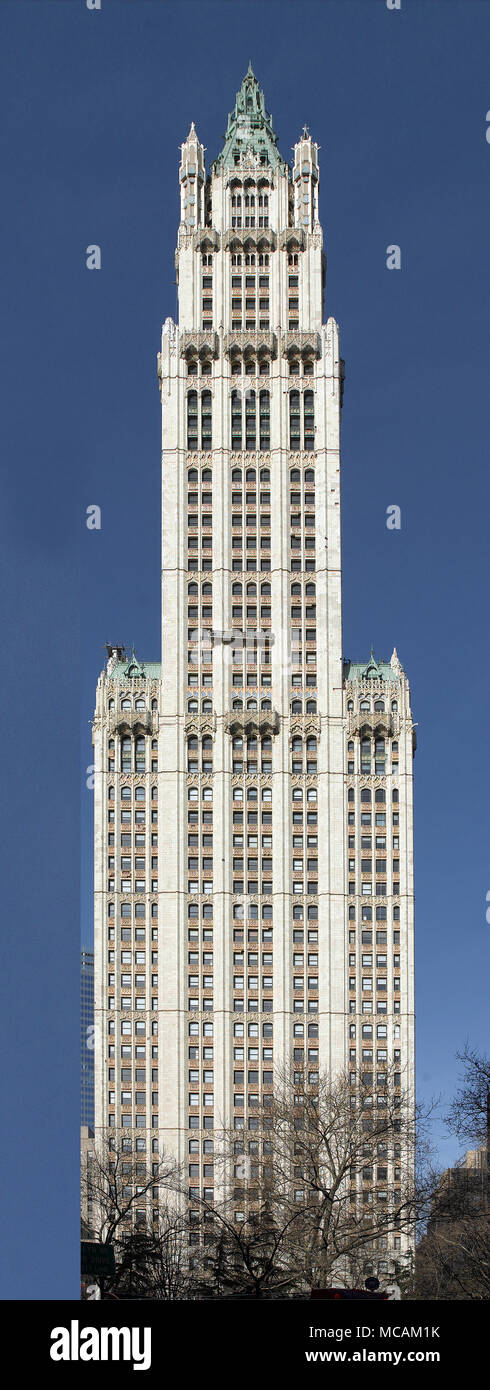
column 249, row 129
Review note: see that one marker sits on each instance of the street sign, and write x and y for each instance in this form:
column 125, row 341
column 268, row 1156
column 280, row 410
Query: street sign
column 97, row 1259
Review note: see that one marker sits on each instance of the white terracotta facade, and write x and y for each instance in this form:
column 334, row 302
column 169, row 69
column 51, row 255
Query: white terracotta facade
column 251, row 888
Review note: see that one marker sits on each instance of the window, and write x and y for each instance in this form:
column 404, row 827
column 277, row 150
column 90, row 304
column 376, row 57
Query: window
column 192, row 428
column 236, row 420
column 264, row 420
column 206, row 432
column 294, row 420
column 309, row 420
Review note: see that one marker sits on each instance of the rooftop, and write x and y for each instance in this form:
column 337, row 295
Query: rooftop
column 250, row 128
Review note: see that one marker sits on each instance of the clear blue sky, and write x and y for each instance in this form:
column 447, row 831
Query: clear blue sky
column 94, row 107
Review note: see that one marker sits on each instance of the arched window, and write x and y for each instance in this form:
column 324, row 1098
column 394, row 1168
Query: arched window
column 350, row 705
column 236, row 424
column 297, row 707
column 125, row 704
column 309, row 420
column 250, row 421
column 379, row 706
column 126, row 755
column 365, row 704
column 380, row 795
column 192, row 442
column 192, row 751
column 365, row 794
column 311, row 706
column 365, row 755
column 379, row 755
column 206, row 431
column 394, row 706
column 192, row 706
column 294, row 421
column 140, row 755
column 140, row 704
column 207, row 754
column 265, row 420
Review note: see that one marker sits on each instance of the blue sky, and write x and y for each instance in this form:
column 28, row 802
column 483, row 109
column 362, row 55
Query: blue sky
column 94, row 107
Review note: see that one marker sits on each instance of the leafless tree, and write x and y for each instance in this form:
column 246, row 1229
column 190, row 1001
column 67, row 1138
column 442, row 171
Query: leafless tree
column 469, row 1113
column 153, row 1262
column 453, row 1261
column 329, row 1176
column 134, row 1205
column 116, row 1184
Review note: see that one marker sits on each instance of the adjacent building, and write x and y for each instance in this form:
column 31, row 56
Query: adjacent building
column 253, row 793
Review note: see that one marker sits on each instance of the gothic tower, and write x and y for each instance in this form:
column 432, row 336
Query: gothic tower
column 267, row 909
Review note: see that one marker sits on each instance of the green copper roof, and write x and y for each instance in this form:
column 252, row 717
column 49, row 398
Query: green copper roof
column 371, row 670
column 136, row 670
column 249, row 128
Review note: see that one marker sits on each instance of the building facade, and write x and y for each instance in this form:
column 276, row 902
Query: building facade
column 87, row 1038
column 253, row 795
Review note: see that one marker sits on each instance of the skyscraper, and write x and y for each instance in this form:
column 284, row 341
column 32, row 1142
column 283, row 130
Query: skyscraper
column 253, row 794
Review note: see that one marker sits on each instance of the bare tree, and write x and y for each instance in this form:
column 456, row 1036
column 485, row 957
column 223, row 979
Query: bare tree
column 453, row 1261
column 153, row 1262
column 254, row 1255
column 121, row 1191
column 346, row 1156
column 453, row 1257
column 328, row 1176
column 469, row 1113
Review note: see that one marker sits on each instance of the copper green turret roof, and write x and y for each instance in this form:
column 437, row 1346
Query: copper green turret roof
column 371, row 670
column 249, row 128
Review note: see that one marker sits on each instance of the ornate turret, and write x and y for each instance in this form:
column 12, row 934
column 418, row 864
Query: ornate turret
column 305, row 179
column 192, row 175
